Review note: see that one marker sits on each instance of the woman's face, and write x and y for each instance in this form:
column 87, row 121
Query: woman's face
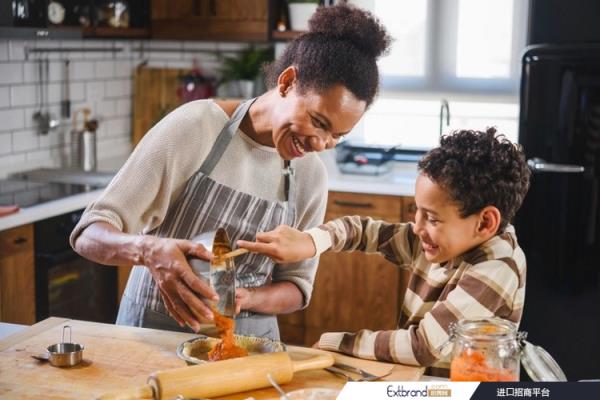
column 310, row 121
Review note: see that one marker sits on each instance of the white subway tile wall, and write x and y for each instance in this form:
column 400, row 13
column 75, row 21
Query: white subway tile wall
column 102, row 81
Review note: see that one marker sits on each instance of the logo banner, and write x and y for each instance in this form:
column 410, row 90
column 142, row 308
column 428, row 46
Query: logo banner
column 444, row 390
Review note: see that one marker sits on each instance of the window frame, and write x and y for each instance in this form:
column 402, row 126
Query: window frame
column 439, row 77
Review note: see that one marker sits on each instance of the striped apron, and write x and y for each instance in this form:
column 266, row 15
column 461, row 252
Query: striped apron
column 205, row 205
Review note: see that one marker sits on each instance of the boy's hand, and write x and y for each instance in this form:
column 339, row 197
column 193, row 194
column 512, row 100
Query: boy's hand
column 284, row 245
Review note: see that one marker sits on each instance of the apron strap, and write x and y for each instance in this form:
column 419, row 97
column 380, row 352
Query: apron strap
column 288, row 178
column 225, row 137
column 221, row 144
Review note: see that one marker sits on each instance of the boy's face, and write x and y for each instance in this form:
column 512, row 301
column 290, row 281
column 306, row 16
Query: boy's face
column 443, row 232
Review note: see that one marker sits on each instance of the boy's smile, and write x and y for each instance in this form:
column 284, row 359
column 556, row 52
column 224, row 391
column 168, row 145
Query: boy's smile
column 427, row 247
column 443, row 232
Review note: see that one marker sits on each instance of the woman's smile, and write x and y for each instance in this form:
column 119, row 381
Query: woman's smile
column 298, row 150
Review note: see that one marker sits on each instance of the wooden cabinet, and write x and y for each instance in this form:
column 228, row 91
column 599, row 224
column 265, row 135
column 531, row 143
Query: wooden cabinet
column 17, row 276
column 243, row 20
column 352, row 290
column 100, row 32
column 123, row 273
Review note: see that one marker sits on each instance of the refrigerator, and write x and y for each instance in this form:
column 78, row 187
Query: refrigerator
column 558, row 224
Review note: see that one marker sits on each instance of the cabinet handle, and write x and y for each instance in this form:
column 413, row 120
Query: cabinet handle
column 352, row 204
column 20, row 240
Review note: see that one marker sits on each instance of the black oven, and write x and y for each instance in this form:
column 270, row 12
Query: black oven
column 66, row 284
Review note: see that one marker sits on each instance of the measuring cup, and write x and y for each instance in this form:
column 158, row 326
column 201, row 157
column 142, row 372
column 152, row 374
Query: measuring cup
column 65, row 354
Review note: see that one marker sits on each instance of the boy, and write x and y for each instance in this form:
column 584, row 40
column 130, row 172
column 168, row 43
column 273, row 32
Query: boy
column 461, row 250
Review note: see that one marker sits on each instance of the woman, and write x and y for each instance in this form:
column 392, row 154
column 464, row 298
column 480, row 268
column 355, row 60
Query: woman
column 248, row 167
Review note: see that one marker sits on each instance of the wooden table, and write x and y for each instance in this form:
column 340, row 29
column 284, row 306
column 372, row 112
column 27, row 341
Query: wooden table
column 118, row 357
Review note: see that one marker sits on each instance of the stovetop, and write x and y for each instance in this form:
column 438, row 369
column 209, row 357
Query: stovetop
column 365, row 159
column 28, row 193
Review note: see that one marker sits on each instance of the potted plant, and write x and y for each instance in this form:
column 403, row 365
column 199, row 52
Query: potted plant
column 300, row 13
column 239, row 73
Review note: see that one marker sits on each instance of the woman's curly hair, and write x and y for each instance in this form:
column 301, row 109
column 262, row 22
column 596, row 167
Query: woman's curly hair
column 479, row 169
column 341, row 47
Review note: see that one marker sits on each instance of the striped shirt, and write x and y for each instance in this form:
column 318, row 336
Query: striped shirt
column 489, row 280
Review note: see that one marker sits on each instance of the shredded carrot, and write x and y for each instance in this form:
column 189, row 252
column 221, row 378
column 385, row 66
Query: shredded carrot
column 472, row 366
column 226, row 347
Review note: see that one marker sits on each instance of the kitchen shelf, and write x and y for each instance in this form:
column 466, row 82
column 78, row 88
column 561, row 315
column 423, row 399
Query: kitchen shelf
column 285, row 35
column 109, row 32
column 39, row 33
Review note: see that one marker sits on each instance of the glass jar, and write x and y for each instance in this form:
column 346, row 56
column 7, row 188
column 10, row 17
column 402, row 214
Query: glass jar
column 485, row 350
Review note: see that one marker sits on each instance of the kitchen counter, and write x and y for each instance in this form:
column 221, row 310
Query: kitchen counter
column 49, row 209
column 67, row 204
column 117, row 358
column 399, row 181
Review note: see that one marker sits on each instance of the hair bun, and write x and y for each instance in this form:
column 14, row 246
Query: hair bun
column 346, row 22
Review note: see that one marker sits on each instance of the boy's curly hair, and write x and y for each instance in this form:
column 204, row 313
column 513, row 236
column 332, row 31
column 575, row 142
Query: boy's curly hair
column 479, row 169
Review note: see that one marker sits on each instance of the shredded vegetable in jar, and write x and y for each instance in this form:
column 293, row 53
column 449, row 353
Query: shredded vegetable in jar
column 485, row 350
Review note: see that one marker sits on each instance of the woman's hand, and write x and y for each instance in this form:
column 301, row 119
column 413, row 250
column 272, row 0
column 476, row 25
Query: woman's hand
column 181, row 290
column 284, row 245
column 243, row 299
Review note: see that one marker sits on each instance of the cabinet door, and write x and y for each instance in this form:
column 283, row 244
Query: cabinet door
column 366, row 205
column 211, row 19
column 353, row 291
column 17, row 276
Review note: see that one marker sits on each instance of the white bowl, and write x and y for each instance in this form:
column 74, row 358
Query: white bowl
column 195, row 351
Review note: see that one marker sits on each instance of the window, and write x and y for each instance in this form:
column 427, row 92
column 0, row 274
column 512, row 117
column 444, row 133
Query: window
column 457, row 49
column 467, row 46
column 407, row 56
column 415, row 124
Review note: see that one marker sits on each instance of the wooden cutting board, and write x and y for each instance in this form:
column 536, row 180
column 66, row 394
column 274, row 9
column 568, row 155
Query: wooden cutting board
column 154, row 96
column 118, row 357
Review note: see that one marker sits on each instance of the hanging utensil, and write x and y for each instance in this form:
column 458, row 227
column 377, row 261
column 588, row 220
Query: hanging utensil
column 65, row 103
column 39, row 117
column 42, row 117
column 52, row 123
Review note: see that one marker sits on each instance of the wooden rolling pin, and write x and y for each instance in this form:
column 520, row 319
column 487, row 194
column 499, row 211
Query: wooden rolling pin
column 222, row 377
